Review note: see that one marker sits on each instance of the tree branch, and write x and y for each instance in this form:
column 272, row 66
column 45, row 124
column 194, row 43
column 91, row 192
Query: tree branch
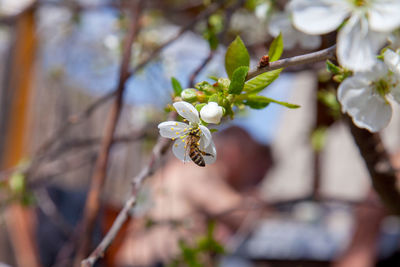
column 328, row 53
column 92, row 205
column 377, row 161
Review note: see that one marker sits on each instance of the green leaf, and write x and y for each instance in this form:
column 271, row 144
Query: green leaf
column 236, row 56
column 261, row 81
column 176, row 86
column 332, row 68
column 213, row 78
column 259, row 102
column 238, row 78
column 276, row 48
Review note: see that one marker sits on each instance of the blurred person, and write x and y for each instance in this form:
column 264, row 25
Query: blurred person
column 185, row 196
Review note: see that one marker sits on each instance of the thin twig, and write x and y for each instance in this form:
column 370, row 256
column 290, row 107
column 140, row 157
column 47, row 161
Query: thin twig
column 92, row 205
column 313, row 57
column 202, row 65
column 159, row 149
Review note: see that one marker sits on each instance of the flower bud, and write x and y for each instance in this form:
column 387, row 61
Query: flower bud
column 211, row 113
column 189, row 95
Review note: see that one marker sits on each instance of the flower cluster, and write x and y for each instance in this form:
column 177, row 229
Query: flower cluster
column 180, row 132
column 370, row 23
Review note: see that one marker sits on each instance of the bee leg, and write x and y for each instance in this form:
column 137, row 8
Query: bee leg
column 206, row 154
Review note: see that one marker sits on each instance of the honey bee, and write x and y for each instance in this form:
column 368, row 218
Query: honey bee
column 193, row 149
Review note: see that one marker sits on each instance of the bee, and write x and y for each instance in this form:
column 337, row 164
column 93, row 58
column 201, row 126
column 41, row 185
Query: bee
column 193, row 149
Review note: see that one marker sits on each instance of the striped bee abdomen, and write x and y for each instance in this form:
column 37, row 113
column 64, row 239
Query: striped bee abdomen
column 196, row 156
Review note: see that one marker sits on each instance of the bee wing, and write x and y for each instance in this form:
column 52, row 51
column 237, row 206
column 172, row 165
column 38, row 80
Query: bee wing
column 187, row 148
column 179, row 149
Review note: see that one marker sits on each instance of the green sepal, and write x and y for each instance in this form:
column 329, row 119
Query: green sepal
column 213, row 98
column 276, row 48
column 236, row 56
column 261, row 81
column 176, row 86
column 213, row 130
column 238, row 79
column 332, row 68
column 200, row 106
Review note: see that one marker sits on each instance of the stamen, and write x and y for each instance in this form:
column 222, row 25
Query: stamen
column 176, row 145
column 177, row 133
column 172, row 128
column 176, row 124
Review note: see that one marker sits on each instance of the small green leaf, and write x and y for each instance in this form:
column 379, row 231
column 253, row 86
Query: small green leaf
column 238, row 78
column 214, row 78
column 176, row 86
column 332, row 68
column 261, row 81
column 236, row 56
column 213, row 130
column 276, row 48
column 259, row 102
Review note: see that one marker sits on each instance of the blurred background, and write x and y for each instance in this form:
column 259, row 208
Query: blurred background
column 289, row 187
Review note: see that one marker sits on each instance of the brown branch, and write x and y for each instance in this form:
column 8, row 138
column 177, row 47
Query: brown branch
column 378, row 163
column 202, row 65
column 92, row 204
column 328, row 53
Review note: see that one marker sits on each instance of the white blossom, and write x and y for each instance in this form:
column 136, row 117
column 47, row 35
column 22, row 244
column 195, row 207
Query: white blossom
column 367, row 96
column 282, row 23
column 179, row 131
column 211, row 113
column 370, row 23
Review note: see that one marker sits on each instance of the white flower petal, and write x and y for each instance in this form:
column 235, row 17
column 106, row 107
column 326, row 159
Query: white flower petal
column 367, row 109
column 392, row 60
column 211, row 150
column 179, row 150
column 357, row 46
column 211, row 113
column 396, row 92
column 318, row 16
column 172, row 129
column 384, row 15
column 187, row 111
column 205, row 137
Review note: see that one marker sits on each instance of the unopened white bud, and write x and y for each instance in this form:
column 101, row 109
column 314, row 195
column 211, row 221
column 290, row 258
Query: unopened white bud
column 211, row 113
